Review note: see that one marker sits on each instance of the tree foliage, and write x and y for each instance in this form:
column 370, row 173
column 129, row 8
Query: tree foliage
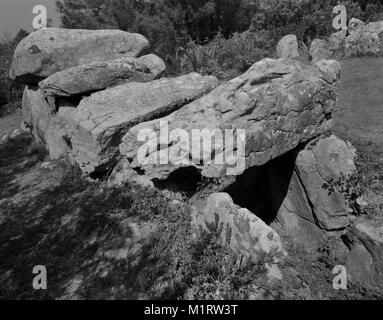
column 9, row 91
column 175, row 28
column 168, row 24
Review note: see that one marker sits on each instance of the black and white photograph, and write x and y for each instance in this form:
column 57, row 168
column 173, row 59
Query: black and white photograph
column 209, row 152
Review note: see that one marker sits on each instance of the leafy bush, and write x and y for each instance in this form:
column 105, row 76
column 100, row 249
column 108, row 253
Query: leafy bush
column 215, row 273
column 222, row 57
column 226, row 57
column 363, row 190
column 6, row 85
column 205, row 35
column 373, row 12
column 350, row 186
column 307, row 20
column 10, row 92
column 168, row 24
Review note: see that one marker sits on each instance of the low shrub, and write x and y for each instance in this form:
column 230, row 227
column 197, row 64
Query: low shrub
column 225, row 58
column 351, row 187
column 306, row 19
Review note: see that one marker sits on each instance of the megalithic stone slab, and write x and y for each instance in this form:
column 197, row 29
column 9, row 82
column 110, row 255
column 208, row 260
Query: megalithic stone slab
column 37, row 112
column 278, row 104
column 47, row 51
column 93, row 131
column 97, row 76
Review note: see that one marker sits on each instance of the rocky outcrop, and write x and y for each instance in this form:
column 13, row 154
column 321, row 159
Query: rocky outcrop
column 287, row 47
column 239, row 229
column 50, row 50
column 364, row 39
column 271, row 109
column 97, row 76
column 94, row 129
column 252, row 119
column 359, row 39
column 104, row 111
column 107, row 65
column 365, row 261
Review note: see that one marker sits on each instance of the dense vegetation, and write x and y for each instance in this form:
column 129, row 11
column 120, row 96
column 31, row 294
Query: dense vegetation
column 10, row 92
column 208, row 35
column 219, row 37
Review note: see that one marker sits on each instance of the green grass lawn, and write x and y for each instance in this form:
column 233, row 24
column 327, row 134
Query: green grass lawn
column 361, row 99
column 360, row 120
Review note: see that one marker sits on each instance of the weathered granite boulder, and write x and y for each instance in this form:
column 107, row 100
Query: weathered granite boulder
column 93, row 131
column 365, row 261
column 288, row 47
column 320, row 49
column 268, row 111
column 47, row 51
column 292, row 210
column 97, row 76
column 355, row 25
column 57, row 139
column 37, row 112
column 239, row 229
column 308, row 210
column 323, row 160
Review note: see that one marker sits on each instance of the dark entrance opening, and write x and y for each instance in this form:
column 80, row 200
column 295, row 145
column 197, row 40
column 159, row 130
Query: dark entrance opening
column 262, row 190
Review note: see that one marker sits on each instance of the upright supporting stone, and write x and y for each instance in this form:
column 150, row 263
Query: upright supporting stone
column 287, row 47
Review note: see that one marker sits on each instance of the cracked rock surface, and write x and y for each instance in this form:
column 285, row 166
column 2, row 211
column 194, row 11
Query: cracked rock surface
column 97, row 76
column 37, row 112
column 278, row 103
column 329, row 158
column 95, row 128
column 239, row 229
column 288, row 47
column 365, row 261
column 308, row 210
